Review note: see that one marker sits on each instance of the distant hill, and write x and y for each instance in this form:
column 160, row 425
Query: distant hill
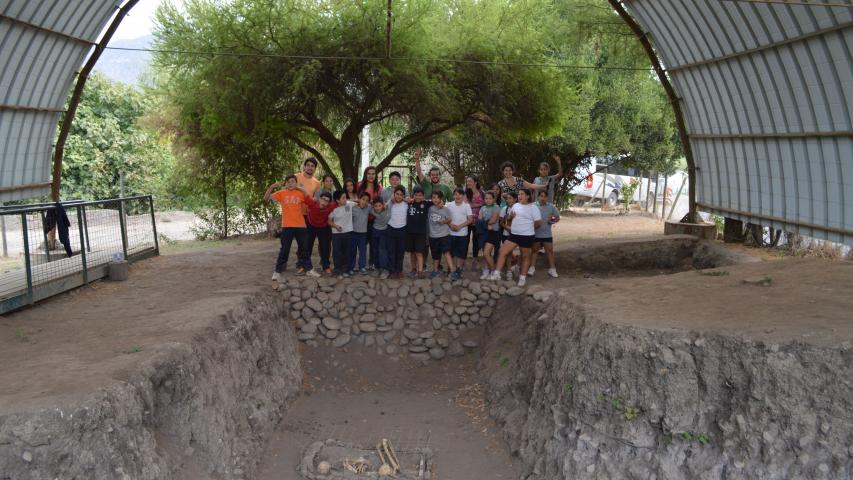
column 124, row 66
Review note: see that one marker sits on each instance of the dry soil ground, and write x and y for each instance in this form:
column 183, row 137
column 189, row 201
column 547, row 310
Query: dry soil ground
column 359, row 397
column 67, row 347
column 71, row 344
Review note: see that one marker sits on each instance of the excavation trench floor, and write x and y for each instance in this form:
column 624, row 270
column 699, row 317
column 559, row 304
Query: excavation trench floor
column 359, row 397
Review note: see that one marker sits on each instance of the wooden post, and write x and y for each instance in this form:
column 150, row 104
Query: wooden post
column 603, row 187
column 388, row 33
column 3, row 230
column 224, row 206
column 655, row 195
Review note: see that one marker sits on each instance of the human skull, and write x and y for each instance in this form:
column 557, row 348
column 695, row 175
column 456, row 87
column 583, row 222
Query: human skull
column 323, row 468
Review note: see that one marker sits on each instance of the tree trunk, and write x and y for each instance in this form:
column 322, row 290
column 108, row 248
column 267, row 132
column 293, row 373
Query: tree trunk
column 458, row 171
column 349, row 169
column 349, row 161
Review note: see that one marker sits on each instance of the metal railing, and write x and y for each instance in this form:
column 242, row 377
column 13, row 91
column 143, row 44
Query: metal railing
column 39, row 264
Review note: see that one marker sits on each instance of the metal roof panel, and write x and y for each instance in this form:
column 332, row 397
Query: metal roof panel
column 767, row 94
column 39, row 69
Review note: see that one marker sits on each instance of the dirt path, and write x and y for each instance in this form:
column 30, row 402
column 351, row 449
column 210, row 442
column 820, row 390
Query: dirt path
column 800, row 300
column 581, row 224
column 359, row 397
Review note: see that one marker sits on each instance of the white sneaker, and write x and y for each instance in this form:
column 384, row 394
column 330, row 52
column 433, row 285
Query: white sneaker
column 312, row 273
column 553, row 272
column 522, row 280
column 276, row 276
column 495, row 276
column 486, row 274
column 531, row 270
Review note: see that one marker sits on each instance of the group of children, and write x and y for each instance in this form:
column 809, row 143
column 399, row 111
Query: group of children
column 396, row 223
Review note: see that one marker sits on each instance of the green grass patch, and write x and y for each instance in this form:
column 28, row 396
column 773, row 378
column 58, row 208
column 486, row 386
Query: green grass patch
column 21, row 335
column 714, row 273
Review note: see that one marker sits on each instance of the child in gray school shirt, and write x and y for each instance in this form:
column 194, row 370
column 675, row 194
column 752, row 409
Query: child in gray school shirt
column 380, row 219
column 381, row 216
column 359, row 217
column 360, row 212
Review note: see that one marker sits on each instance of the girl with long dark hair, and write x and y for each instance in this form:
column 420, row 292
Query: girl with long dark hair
column 474, row 194
column 350, row 191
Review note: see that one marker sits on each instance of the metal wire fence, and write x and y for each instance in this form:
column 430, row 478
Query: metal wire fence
column 41, row 260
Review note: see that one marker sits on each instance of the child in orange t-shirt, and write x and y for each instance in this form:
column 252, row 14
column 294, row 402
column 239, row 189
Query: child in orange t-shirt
column 292, row 223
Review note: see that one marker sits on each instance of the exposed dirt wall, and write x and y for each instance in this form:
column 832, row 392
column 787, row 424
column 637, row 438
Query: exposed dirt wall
column 203, row 407
column 671, row 252
column 580, row 398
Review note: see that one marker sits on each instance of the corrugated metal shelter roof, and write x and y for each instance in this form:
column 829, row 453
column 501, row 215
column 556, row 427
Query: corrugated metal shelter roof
column 42, row 45
column 767, row 94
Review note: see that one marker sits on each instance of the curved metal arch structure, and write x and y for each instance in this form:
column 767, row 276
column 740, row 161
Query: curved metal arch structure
column 42, row 45
column 766, row 90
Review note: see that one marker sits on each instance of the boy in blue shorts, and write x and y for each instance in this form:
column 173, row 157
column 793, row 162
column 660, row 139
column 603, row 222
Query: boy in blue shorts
column 341, row 222
column 381, row 216
column 439, row 235
column 360, row 214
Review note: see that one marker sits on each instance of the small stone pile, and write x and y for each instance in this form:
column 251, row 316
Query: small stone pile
column 422, row 318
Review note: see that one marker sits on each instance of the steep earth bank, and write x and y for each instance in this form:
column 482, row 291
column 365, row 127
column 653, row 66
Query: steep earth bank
column 580, row 398
column 198, row 408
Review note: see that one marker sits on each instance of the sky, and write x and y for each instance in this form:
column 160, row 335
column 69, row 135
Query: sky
column 139, row 22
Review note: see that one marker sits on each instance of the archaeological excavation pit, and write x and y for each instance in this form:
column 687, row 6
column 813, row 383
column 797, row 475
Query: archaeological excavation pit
column 598, row 374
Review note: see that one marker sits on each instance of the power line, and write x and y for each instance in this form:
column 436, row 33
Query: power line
column 379, row 59
column 796, row 2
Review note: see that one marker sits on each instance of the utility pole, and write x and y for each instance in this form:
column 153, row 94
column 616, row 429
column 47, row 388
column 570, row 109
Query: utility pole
column 388, row 33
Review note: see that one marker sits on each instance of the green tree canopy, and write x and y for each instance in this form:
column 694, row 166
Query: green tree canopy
column 614, row 104
column 251, row 72
column 107, row 138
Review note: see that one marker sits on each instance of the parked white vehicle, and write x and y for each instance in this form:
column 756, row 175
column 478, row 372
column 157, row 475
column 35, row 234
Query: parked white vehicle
column 590, row 190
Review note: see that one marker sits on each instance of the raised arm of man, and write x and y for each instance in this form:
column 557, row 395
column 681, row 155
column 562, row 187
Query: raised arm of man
column 419, row 171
